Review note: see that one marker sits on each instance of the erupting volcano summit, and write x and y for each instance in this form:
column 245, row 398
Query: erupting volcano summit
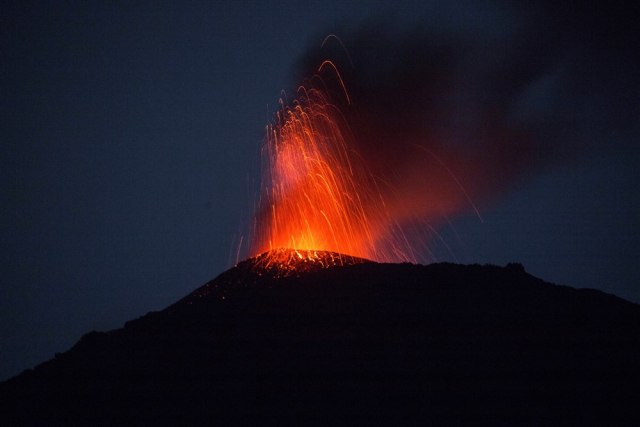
column 318, row 193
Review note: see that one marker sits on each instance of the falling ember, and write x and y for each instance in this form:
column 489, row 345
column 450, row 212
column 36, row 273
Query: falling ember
column 316, row 192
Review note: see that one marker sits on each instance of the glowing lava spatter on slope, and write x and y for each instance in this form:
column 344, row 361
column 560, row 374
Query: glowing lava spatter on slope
column 316, row 193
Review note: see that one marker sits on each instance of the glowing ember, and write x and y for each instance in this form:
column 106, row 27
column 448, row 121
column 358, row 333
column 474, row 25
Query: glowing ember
column 317, row 194
column 260, row 270
column 287, row 262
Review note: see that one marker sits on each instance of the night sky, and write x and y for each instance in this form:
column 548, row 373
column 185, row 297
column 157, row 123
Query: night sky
column 130, row 140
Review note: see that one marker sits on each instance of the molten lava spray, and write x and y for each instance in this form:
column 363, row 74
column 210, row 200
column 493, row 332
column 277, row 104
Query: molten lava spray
column 317, row 193
column 378, row 152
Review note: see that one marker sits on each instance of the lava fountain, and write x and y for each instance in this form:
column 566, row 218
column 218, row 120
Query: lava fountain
column 317, row 193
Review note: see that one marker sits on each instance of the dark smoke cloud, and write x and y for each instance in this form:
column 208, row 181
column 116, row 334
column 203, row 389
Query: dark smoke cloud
column 445, row 112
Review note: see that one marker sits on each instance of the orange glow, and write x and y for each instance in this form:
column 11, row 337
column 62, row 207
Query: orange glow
column 290, row 262
column 316, row 193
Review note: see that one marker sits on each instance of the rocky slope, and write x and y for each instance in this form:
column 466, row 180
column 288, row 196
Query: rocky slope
column 350, row 341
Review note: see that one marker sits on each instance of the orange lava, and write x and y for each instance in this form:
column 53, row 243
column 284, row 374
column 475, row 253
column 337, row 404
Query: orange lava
column 290, row 262
column 316, row 193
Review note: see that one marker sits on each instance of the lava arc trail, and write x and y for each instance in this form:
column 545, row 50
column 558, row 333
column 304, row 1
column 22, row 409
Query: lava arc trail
column 316, row 192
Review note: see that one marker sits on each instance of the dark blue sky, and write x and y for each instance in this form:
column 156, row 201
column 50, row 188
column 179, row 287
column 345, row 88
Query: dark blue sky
column 130, row 138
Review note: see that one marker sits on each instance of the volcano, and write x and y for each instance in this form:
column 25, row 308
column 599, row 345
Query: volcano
column 309, row 337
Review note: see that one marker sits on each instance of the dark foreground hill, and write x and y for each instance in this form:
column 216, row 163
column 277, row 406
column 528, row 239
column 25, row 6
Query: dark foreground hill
column 382, row 344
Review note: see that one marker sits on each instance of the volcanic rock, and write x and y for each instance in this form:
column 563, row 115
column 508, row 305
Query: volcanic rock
column 350, row 341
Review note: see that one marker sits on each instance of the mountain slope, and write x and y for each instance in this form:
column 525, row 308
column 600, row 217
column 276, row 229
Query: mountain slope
column 355, row 342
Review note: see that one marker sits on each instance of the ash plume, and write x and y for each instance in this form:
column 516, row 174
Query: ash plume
column 448, row 117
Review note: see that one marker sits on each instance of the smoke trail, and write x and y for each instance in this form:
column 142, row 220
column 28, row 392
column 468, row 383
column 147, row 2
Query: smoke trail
column 449, row 120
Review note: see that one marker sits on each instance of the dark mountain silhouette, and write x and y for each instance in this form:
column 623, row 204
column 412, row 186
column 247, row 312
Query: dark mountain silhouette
column 357, row 342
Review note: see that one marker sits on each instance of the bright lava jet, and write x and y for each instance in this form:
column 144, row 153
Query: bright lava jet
column 316, row 192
